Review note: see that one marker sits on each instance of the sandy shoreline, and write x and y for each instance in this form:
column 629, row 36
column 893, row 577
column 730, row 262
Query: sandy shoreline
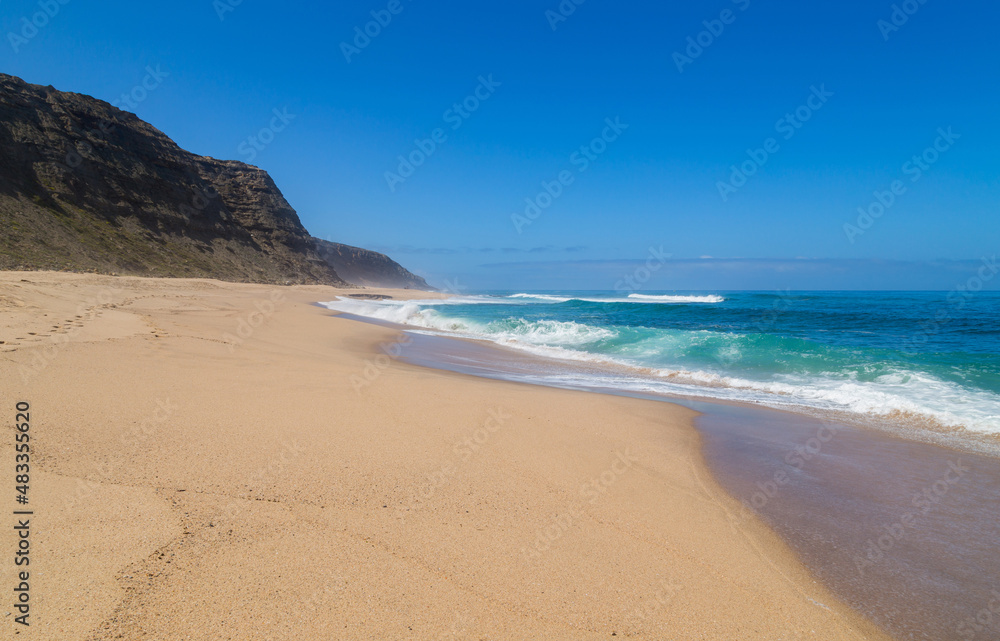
column 216, row 460
column 901, row 529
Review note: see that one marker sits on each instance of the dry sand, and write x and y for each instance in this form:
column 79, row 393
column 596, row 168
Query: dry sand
column 198, row 478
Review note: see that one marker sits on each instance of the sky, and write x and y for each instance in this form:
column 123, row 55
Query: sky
column 733, row 144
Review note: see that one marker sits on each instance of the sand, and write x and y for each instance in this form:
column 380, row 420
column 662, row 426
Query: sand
column 230, row 461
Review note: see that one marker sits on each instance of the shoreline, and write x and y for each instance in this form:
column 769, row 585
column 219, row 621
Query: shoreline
column 861, row 553
column 631, row 379
column 964, row 441
column 243, row 487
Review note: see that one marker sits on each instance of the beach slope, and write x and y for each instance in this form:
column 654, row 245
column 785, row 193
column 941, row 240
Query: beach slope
column 216, row 460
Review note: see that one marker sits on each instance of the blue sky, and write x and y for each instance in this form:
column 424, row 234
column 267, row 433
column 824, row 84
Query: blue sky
column 863, row 100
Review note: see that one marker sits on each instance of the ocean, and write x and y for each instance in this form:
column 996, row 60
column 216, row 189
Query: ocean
column 924, row 359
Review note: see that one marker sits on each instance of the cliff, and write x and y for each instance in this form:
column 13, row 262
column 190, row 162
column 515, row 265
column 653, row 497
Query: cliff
column 85, row 186
column 368, row 268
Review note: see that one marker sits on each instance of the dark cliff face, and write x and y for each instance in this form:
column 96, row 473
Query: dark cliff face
column 367, row 268
column 86, row 186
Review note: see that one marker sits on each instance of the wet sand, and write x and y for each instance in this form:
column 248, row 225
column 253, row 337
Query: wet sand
column 906, row 532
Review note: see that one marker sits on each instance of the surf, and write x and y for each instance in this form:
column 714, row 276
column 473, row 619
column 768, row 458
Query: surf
column 812, row 352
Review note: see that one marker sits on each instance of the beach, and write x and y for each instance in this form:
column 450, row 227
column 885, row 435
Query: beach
column 217, row 460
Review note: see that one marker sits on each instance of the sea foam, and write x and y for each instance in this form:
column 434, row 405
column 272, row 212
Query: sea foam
column 703, row 363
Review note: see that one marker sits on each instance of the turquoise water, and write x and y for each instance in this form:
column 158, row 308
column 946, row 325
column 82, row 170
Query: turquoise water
column 926, row 358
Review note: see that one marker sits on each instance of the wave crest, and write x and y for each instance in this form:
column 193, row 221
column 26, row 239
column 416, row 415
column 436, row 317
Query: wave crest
column 631, row 298
column 666, row 298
